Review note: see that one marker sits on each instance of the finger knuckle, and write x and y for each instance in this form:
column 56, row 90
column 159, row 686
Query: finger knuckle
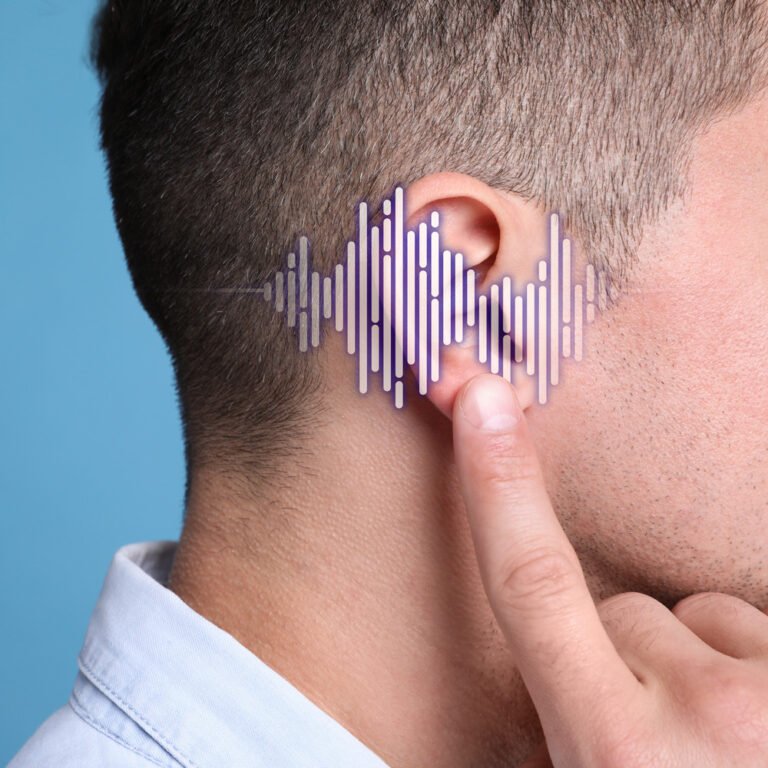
column 544, row 576
column 505, row 461
column 703, row 602
column 626, row 603
column 632, row 618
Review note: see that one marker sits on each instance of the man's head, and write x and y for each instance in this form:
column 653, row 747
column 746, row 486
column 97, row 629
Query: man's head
column 232, row 127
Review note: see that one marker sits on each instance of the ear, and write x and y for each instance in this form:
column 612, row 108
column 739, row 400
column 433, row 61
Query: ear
column 498, row 234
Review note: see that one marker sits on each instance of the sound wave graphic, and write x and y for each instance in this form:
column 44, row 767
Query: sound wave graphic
column 400, row 297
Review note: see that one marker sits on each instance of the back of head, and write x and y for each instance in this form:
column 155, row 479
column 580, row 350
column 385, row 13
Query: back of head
column 231, row 128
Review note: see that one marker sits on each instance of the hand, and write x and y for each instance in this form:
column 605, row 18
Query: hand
column 626, row 684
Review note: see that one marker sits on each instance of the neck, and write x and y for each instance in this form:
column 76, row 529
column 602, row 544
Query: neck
column 357, row 582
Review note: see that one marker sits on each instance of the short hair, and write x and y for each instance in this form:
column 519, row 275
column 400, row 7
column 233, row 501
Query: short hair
column 231, row 127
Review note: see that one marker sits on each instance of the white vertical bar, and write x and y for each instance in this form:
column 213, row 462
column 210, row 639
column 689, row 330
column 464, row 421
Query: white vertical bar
column 446, row 297
column 267, row 295
column 302, row 331
column 530, row 321
column 375, row 259
column 387, row 235
column 470, row 297
column 542, row 343
column 386, row 265
column 482, row 322
column 375, row 356
column 566, row 280
column 577, row 323
column 411, row 272
column 351, row 297
column 302, row 272
column 554, row 299
column 494, row 329
column 279, row 295
column 518, row 328
column 327, row 307
column 362, row 294
column 423, row 349
column 542, row 270
column 434, row 263
column 315, row 309
column 423, row 245
column 399, row 283
column 506, row 303
column 398, row 394
column 362, row 367
column 339, row 297
column 399, row 213
column 291, row 299
column 458, row 285
column 435, row 341
column 506, row 357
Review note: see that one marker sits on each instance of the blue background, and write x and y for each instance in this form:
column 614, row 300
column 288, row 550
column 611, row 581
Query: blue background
column 90, row 442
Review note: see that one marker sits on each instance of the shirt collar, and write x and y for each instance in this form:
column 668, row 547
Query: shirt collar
column 197, row 691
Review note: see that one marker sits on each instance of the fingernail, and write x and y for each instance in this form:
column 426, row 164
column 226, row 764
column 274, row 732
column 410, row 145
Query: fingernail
column 490, row 403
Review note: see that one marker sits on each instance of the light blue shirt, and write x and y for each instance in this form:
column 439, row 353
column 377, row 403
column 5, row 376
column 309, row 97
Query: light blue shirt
column 159, row 684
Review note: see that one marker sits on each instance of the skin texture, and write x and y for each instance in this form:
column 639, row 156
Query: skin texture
column 355, row 575
column 670, row 414
column 628, row 684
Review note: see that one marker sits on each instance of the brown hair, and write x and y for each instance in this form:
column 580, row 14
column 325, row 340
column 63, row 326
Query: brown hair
column 232, row 126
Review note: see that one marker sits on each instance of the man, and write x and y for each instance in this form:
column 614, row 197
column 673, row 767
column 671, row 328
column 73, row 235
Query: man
column 331, row 602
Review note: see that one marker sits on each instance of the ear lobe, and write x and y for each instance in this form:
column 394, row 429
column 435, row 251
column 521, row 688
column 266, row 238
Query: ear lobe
column 459, row 362
column 492, row 233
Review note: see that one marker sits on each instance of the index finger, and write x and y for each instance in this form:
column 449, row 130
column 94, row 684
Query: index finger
column 530, row 571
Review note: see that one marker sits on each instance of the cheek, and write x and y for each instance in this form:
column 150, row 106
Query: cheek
column 710, row 338
column 656, row 446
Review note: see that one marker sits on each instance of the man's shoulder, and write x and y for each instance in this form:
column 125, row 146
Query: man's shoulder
column 67, row 740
